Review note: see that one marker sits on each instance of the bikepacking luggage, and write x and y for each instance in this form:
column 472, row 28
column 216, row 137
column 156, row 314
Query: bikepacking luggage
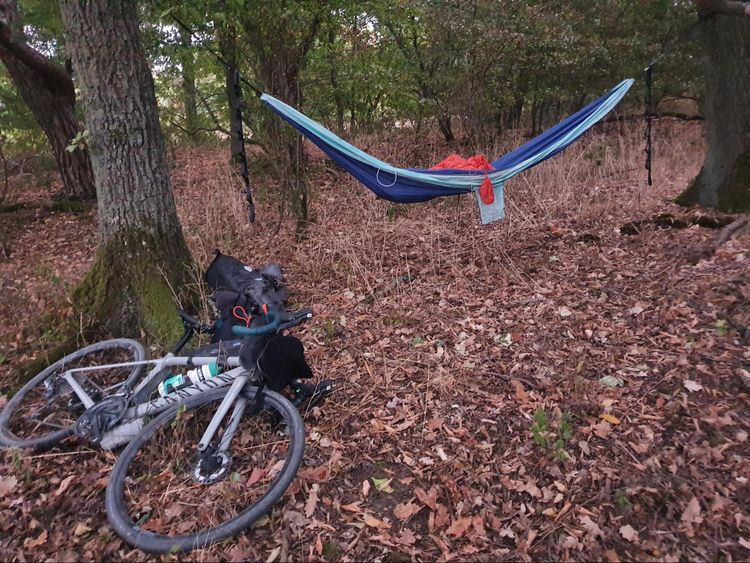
column 236, row 285
column 254, row 293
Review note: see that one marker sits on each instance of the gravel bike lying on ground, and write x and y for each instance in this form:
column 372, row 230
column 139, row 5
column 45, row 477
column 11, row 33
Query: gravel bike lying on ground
column 208, row 452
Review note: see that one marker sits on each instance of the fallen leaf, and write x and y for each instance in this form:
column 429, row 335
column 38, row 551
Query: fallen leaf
column 407, row 537
column 365, row 488
column 404, row 511
column 602, row 429
column 744, row 543
column 382, row 485
column 7, row 484
column 81, row 530
column 255, row 476
column 273, row 555
column 629, row 533
column 692, row 386
column 460, row 526
column 319, row 474
column 521, row 394
column 691, row 515
column 312, row 501
column 28, row 543
column 173, row 511
column 564, row 312
column 610, row 418
column 591, row 527
column 637, row 309
column 259, row 523
column 611, row 381
column 64, row 485
column 428, row 499
column 352, row 507
column 375, row 523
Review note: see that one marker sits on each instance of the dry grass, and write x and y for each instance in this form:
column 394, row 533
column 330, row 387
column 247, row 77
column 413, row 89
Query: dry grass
column 356, row 240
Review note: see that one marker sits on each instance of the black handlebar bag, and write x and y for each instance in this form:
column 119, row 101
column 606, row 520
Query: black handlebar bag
column 235, row 284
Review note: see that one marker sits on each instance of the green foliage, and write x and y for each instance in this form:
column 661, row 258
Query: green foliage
column 539, row 427
column 722, row 327
column 548, row 438
column 79, row 142
column 369, row 65
column 621, row 499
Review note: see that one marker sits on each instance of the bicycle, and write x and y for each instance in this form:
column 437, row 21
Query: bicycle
column 186, row 454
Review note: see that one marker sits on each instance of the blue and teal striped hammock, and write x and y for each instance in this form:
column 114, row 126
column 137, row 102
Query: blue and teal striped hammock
column 411, row 185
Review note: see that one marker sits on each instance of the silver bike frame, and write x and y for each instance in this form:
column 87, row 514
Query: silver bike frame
column 132, row 420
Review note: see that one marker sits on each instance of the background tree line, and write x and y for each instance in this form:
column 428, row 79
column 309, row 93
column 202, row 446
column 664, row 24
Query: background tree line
column 469, row 68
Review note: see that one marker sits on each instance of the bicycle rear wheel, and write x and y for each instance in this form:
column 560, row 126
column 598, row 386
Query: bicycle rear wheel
column 163, row 497
column 45, row 410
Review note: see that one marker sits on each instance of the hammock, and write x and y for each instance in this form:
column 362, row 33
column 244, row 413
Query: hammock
column 411, row 185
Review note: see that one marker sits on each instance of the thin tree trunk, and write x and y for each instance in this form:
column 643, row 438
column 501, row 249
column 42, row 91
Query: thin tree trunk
column 724, row 181
column 334, row 83
column 227, row 36
column 48, row 91
column 189, row 102
column 142, row 253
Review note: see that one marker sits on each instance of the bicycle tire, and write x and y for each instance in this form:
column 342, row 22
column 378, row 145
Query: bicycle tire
column 8, row 436
column 133, row 533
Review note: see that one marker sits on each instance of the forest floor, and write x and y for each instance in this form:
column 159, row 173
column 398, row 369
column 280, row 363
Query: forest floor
column 474, row 364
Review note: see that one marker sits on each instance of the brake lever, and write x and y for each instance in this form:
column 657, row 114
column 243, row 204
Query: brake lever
column 296, row 319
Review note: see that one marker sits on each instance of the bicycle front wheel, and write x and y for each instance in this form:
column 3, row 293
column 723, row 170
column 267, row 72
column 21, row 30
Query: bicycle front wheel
column 45, row 410
column 164, row 496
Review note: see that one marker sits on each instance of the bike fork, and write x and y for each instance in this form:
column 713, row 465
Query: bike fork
column 221, row 412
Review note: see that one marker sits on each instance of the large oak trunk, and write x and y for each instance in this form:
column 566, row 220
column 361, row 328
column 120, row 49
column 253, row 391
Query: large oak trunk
column 724, row 181
column 48, row 91
column 142, row 253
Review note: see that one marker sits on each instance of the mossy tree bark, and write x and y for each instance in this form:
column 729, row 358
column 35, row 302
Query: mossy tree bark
column 142, row 253
column 724, row 181
column 48, row 91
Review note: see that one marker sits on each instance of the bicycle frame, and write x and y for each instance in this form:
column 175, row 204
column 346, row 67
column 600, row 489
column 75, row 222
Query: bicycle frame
column 132, row 420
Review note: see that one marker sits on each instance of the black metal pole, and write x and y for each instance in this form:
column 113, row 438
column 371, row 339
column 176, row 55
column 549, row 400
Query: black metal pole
column 649, row 120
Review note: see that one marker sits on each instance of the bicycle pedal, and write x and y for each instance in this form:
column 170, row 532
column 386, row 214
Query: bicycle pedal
column 322, row 390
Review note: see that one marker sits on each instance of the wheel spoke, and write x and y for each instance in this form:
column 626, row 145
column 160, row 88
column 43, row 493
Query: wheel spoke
column 189, row 494
column 45, row 410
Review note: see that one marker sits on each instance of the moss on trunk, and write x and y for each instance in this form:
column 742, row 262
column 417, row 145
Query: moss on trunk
column 128, row 291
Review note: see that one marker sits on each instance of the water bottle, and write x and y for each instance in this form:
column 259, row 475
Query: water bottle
column 194, row 376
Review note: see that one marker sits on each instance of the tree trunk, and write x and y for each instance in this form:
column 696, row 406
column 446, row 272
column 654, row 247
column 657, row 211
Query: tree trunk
column 280, row 75
column 48, row 91
column 190, row 105
column 334, row 83
column 227, row 36
column 142, row 253
column 724, row 181
column 446, row 127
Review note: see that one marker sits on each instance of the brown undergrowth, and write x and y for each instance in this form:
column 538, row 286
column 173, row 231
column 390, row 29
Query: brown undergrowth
column 542, row 388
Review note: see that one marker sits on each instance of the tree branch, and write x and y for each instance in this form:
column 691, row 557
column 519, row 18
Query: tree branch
column 54, row 75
